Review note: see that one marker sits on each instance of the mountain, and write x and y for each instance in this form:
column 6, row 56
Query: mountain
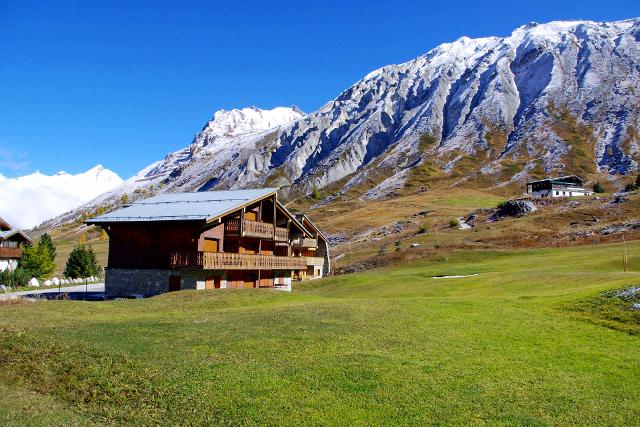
column 29, row 200
column 552, row 98
column 229, row 137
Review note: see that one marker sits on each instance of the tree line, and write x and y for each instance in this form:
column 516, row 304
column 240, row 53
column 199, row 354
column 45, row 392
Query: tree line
column 38, row 260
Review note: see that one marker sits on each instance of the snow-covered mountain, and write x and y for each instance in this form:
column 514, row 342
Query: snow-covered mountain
column 29, row 200
column 550, row 98
column 230, row 136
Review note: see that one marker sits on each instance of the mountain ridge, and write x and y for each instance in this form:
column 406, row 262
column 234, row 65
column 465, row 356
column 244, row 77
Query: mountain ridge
column 549, row 98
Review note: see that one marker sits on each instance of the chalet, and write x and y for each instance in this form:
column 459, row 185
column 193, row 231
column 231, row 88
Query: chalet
column 11, row 241
column 564, row 186
column 210, row 240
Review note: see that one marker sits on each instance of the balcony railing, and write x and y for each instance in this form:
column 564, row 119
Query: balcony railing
column 257, row 229
column 10, row 252
column 9, row 244
column 302, row 242
column 282, row 234
column 317, row 261
column 233, row 261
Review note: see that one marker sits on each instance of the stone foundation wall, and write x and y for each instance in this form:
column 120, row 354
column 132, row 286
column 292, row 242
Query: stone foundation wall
column 130, row 281
column 147, row 282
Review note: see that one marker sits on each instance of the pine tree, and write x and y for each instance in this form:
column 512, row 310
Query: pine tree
column 82, row 263
column 37, row 260
column 597, row 188
column 45, row 240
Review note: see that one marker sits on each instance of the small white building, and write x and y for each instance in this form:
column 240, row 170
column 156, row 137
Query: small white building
column 564, row 186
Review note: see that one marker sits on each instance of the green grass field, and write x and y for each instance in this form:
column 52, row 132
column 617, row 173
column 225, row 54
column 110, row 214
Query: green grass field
column 521, row 343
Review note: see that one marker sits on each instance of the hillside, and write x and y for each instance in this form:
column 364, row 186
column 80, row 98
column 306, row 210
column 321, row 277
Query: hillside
column 529, row 340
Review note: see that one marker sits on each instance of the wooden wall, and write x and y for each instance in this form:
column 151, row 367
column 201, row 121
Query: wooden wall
column 149, row 245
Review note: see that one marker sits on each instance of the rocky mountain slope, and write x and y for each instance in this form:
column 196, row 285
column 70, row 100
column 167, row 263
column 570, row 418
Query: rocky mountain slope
column 550, row 98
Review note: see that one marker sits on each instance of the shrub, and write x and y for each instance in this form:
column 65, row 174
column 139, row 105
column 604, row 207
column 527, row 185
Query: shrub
column 82, row 263
column 638, row 181
column 315, row 193
column 424, row 228
column 17, row 278
column 37, row 259
column 437, row 245
column 382, row 250
column 454, row 223
column 597, row 188
column 398, row 245
column 630, row 187
column 502, row 204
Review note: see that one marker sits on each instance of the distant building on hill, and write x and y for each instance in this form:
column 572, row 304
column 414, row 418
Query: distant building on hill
column 11, row 241
column 210, row 240
column 564, row 186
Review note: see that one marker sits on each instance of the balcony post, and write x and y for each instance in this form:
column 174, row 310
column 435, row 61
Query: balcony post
column 242, row 223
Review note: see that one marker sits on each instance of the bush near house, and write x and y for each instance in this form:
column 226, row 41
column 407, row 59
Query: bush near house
column 38, row 260
column 82, row 263
column 16, row 279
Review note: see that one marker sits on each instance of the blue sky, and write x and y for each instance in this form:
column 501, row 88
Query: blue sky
column 124, row 83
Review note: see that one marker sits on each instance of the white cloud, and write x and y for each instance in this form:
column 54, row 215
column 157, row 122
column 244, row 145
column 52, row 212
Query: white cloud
column 30, row 200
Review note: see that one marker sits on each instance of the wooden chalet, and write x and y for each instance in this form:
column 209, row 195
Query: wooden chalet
column 11, row 241
column 210, row 240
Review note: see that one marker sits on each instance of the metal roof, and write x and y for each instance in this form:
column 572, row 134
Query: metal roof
column 10, row 233
column 4, row 225
column 200, row 206
column 560, row 179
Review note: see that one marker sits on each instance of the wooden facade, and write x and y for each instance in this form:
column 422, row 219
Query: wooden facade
column 11, row 242
column 258, row 244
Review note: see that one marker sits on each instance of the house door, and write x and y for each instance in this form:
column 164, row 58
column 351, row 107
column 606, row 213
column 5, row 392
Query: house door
column 212, row 283
column 174, row 283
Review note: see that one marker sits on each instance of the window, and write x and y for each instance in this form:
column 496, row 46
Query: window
column 557, row 193
column 210, row 245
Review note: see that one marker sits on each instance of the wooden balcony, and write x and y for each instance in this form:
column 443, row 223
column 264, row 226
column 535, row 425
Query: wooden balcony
column 302, row 242
column 10, row 252
column 317, row 261
column 257, row 229
column 282, row 235
column 233, row 261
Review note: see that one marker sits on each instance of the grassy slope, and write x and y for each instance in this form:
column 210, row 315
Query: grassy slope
column 383, row 347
